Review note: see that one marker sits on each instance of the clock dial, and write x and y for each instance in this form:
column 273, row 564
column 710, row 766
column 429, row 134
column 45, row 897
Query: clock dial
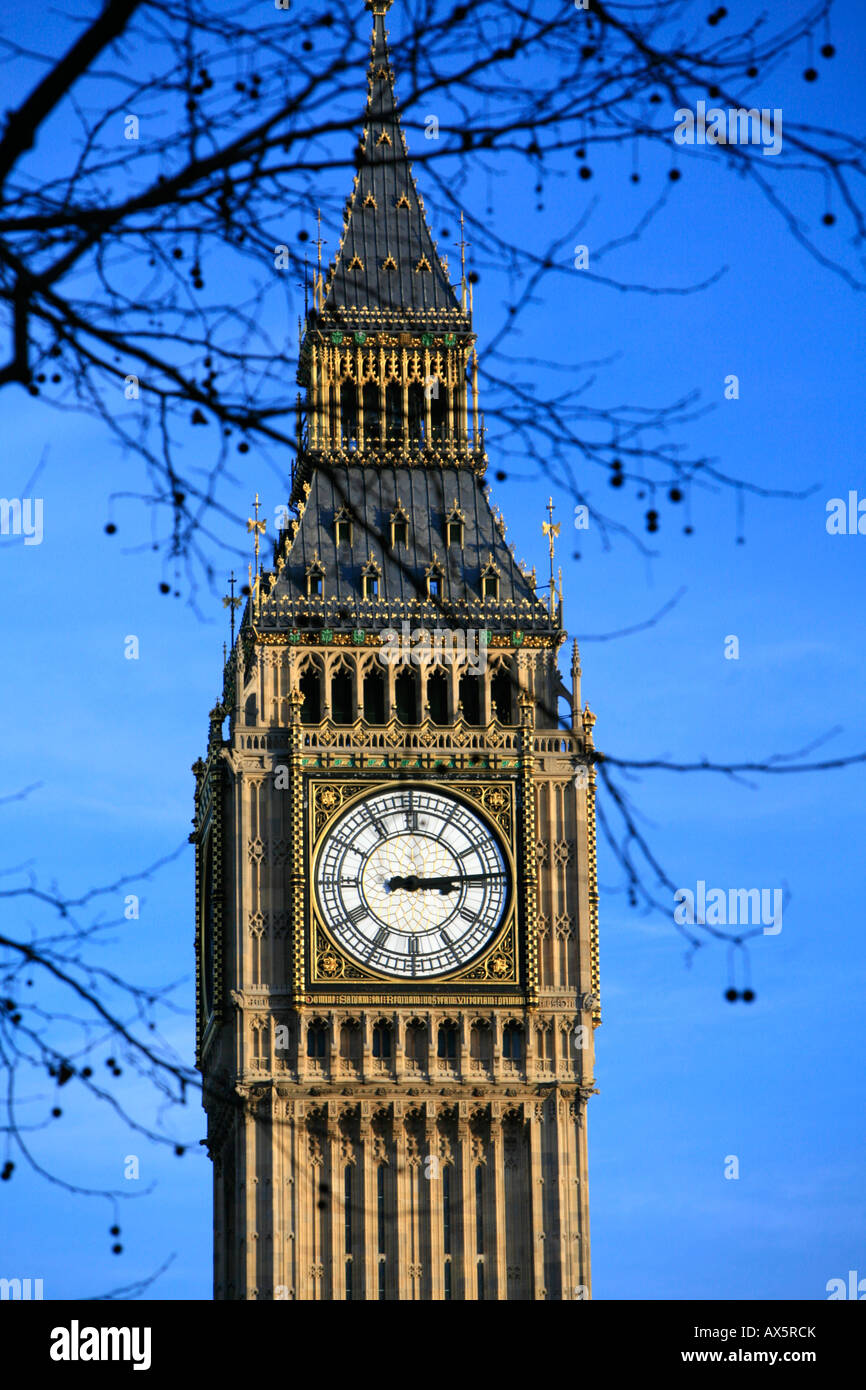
column 412, row 882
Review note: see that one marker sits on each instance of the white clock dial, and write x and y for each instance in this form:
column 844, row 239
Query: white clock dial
column 412, row 882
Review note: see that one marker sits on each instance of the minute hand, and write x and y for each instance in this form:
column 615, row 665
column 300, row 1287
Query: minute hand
column 444, row 884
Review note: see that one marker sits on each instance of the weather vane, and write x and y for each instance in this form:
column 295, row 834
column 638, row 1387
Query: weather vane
column 258, row 529
column 551, row 531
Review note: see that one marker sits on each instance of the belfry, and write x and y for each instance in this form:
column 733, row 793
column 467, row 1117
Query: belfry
column 397, row 910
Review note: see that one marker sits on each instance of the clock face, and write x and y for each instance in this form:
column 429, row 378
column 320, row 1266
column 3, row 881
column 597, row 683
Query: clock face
column 412, row 882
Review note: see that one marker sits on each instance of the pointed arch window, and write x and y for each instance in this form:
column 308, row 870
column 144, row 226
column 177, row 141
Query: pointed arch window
column 469, row 694
column 370, row 201
column 417, row 412
column 343, row 527
column 382, row 1038
column 481, row 1041
column 399, row 526
column 447, row 1041
column 455, row 527
column 416, row 1041
column 371, row 576
column 315, row 574
column 423, row 265
column 389, row 263
column 437, row 696
column 349, row 414
column 512, row 1042
column 490, row 579
column 355, row 263
column 350, row 1040
column 435, row 577
column 501, row 695
column 393, row 410
column 384, row 138
column 406, row 696
column 374, row 697
column 342, row 696
column 371, row 412
column 310, row 687
column 403, row 201
column 317, row 1037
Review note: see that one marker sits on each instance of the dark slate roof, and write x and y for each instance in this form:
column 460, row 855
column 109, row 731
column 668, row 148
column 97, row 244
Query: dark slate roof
column 402, row 297
column 427, row 496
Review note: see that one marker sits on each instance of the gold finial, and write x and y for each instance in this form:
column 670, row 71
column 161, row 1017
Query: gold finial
column 258, row 529
column 551, row 531
column 231, row 603
column 463, row 243
column 319, row 294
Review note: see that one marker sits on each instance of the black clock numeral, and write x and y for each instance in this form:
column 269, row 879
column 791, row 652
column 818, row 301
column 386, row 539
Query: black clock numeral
column 446, row 942
column 413, row 946
column 467, row 916
column 381, row 936
column 348, row 883
column 376, row 824
column 357, row 913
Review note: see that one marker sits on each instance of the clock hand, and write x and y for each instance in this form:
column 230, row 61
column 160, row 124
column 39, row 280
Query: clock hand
column 444, row 884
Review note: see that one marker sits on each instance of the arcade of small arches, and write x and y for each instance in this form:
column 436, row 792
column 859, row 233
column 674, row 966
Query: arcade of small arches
column 416, row 1038
column 371, row 1043
column 382, row 397
column 345, row 689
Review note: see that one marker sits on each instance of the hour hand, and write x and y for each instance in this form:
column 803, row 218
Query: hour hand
column 412, row 883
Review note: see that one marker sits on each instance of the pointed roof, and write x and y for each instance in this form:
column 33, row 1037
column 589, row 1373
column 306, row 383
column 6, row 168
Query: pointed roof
column 387, row 270
column 426, row 497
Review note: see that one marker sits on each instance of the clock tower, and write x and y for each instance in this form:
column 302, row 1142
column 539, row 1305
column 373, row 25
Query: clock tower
column 397, row 930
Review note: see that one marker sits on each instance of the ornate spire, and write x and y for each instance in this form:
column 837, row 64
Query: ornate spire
column 387, row 271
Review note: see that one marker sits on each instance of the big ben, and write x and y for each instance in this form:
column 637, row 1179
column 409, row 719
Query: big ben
column 397, row 925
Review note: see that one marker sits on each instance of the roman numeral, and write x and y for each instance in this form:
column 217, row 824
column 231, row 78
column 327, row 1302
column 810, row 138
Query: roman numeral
column 413, row 946
column 443, row 937
column 381, row 936
column 357, row 913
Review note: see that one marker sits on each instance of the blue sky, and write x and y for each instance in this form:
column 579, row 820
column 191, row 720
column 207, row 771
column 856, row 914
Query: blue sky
column 686, row 1079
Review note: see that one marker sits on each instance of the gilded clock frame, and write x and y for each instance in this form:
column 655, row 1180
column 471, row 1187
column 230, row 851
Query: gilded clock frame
column 499, row 965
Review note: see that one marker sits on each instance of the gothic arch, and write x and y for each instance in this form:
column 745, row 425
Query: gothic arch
column 437, row 695
column 310, row 688
column 343, row 692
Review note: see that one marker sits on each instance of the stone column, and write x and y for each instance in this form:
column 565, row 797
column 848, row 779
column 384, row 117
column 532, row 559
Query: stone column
column 532, row 1112
column 463, row 1259
column 333, row 1282
column 435, row 1235
column 496, row 1164
column 369, row 1227
column 400, row 1281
